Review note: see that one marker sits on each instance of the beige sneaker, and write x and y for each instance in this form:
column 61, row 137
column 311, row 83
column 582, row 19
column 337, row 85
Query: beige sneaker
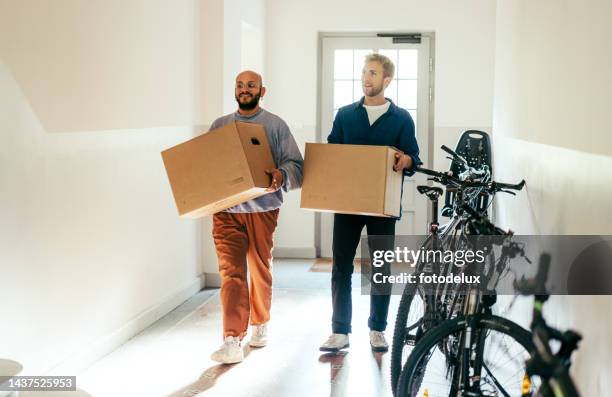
column 378, row 341
column 230, row 352
column 259, row 337
column 335, row 343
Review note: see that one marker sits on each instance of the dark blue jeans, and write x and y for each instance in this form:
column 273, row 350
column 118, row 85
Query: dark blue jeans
column 347, row 233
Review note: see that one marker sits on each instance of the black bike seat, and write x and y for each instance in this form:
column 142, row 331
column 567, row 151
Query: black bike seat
column 423, row 189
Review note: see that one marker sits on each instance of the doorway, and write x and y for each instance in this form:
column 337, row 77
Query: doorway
column 341, row 64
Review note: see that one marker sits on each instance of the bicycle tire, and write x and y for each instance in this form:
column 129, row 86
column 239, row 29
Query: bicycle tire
column 399, row 333
column 440, row 334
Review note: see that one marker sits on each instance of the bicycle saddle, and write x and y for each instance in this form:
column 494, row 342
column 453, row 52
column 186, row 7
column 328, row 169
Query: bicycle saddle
column 423, row 189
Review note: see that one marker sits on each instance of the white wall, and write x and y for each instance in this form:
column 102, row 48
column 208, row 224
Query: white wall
column 552, row 90
column 465, row 39
column 211, row 59
column 233, row 33
column 238, row 17
column 98, row 65
column 91, row 247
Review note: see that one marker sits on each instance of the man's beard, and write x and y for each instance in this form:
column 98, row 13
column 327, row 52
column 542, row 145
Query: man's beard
column 374, row 90
column 250, row 105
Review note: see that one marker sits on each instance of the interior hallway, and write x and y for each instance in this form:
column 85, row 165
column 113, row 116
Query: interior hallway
column 171, row 358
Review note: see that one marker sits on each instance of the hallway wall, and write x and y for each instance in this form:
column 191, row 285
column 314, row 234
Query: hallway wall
column 91, row 247
column 550, row 126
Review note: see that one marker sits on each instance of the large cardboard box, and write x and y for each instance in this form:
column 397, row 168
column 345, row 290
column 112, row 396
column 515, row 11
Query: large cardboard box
column 219, row 169
column 351, row 179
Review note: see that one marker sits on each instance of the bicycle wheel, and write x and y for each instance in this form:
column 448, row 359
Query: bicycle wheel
column 407, row 329
column 420, row 307
column 433, row 367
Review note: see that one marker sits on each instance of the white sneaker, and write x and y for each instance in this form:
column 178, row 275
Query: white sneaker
column 378, row 341
column 259, row 337
column 335, row 343
column 230, row 352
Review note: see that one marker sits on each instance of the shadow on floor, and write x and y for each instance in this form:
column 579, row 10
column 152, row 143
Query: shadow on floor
column 209, row 377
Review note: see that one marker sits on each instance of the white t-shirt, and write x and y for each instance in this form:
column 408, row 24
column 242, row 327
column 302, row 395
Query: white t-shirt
column 374, row 112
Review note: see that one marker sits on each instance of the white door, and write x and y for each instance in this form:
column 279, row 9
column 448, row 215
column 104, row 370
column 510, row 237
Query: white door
column 342, row 63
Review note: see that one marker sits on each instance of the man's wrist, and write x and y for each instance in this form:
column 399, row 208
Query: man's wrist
column 283, row 176
column 409, row 162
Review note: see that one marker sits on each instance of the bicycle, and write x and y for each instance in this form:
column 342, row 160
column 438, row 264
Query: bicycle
column 415, row 316
column 461, row 355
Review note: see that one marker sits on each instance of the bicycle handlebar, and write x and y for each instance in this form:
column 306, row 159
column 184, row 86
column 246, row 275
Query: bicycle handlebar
column 516, row 186
column 447, row 179
column 455, row 155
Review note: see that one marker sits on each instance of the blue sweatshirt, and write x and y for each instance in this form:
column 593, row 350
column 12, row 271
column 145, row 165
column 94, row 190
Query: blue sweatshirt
column 394, row 128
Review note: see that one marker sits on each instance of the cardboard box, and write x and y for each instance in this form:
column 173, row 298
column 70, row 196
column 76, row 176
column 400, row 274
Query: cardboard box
column 351, row 179
column 219, row 169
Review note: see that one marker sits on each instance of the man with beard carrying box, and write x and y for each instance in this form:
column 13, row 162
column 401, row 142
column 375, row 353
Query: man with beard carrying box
column 243, row 233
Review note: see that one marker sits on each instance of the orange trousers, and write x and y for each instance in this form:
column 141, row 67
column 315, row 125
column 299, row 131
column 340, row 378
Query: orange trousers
column 241, row 238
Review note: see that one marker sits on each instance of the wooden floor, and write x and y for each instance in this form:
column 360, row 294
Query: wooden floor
column 172, row 357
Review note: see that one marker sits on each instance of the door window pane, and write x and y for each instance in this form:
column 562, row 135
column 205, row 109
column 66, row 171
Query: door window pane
column 357, row 90
column 343, row 93
column 407, row 64
column 343, row 64
column 358, row 61
column 391, row 91
column 407, row 94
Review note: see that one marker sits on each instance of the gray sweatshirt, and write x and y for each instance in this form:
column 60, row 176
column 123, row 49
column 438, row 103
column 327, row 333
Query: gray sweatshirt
column 285, row 153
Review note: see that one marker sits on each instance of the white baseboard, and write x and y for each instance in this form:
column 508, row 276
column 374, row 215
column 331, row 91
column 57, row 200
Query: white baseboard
column 213, row 280
column 86, row 356
column 294, row 252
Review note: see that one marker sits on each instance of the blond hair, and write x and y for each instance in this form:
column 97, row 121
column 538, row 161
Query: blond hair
column 387, row 64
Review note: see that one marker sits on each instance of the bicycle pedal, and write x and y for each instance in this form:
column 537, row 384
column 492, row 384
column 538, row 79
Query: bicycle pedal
column 410, row 340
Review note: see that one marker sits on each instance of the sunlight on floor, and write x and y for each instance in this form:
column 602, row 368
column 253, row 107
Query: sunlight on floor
column 172, row 357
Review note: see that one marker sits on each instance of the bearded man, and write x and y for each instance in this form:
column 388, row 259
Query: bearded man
column 243, row 234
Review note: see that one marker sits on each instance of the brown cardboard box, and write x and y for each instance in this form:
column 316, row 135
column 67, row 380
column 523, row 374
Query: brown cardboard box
column 219, row 169
column 351, row 179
